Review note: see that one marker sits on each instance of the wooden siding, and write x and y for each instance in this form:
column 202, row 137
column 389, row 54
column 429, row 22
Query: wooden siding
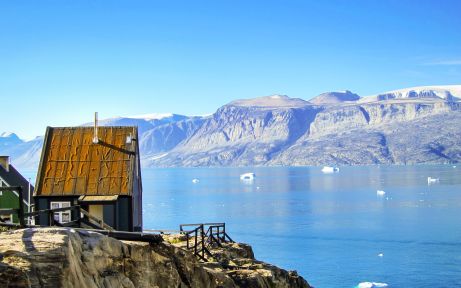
column 9, row 200
column 72, row 164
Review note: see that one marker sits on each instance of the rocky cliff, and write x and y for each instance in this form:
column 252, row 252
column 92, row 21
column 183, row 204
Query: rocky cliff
column 413, row 125
column 332, row 129
column 60, row 257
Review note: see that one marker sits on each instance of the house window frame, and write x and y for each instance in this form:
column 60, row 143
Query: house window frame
column 61, row 215
column 10, row 221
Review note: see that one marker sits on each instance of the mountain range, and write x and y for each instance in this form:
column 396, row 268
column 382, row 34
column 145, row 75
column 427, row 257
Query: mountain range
column 406, row 126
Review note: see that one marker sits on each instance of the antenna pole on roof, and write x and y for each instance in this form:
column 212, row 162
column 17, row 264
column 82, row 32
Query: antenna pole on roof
column 95, row 137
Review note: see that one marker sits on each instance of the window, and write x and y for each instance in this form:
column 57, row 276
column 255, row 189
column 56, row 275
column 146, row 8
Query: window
column 6, row 218
column 61, row 216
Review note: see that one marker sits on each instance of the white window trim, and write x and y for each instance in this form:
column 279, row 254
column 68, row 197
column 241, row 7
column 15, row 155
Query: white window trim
column 61, row 213
column 11, row 219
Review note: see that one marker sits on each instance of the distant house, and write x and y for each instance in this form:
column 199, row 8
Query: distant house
column 98, row 169
column 9, row 176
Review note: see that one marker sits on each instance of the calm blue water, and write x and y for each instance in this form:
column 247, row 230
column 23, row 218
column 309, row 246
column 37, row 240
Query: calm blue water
column 328, row 227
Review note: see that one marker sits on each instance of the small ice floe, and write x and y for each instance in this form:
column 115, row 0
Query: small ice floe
column 454, row 166
column 257, row 187
column 372, row 285
column 380, row 193
column 381, row 255
column 431, row 180
column 195, row 180
column 247, row 176
column 329, row 169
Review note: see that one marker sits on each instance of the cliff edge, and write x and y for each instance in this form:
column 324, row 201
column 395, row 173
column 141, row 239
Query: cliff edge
column 63, row 257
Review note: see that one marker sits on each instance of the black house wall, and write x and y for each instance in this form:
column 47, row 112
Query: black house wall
column 118, row 214
column 43, row 203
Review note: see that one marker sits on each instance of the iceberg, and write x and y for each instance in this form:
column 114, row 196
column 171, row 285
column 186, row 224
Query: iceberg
column 195, row 180
column 380, row 193
column 372, row 285
column 431, row 180
column 329, row 169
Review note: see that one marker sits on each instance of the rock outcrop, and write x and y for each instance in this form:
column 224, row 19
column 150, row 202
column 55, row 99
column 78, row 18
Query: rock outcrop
column 62, row 257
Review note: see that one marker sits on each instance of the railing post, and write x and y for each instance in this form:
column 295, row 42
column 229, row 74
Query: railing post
column 79, row 218
column 224, row 232
column 50, row 218
column 195, row 246
column 203, row 240
column 21, row 208
column 211, row 234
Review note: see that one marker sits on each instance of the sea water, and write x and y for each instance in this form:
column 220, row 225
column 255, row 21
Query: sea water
column 334, row 229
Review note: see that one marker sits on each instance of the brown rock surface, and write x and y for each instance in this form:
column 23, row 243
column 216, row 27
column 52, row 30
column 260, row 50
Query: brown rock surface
column 60, row 257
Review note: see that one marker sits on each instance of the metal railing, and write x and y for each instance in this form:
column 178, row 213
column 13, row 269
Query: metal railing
column 87, row 218
column 203, row 236
column 99, row 222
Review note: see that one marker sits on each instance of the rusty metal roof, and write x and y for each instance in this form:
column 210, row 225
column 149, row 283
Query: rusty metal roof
column 86, row 198
column 72, row 164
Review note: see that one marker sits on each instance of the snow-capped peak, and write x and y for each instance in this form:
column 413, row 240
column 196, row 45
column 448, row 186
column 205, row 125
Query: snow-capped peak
column 270, row 101
column 152, row 116
column 7, row 134
column 335, row 97
column 455, row 90
column 445, row 92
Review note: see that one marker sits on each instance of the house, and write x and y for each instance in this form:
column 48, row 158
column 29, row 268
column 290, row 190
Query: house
column 9, row 176
column 97, row 168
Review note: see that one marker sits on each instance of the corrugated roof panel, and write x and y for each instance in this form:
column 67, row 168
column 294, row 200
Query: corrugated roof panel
column 73, row 165
column 124, row 181
column 105, row 171
column 117, row 166
column 97, row 198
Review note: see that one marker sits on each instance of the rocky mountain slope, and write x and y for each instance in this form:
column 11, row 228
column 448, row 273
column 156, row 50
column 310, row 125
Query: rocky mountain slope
column 399, row 127
column 413, row 125
column 64, row 257
column 24, row 154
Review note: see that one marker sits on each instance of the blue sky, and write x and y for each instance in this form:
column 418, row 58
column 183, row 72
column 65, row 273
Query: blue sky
column 62, row 60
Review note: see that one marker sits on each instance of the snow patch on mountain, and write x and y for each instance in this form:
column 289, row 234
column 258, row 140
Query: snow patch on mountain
column 446, row 93
column 8, row 135
column 334, row 98
column 152, row 116
column 270, row 101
